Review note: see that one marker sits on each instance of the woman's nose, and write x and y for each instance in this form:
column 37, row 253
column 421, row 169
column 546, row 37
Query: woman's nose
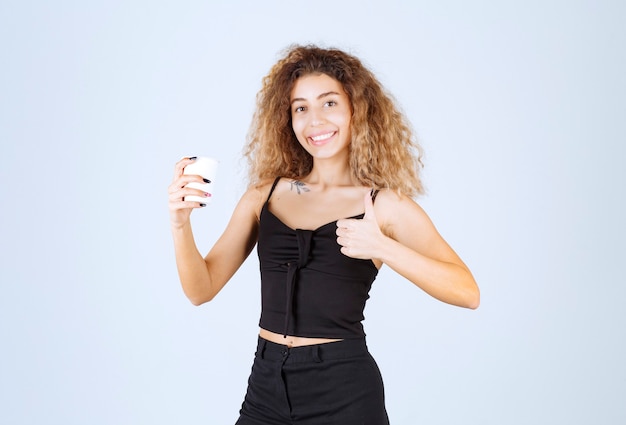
column 317, row 118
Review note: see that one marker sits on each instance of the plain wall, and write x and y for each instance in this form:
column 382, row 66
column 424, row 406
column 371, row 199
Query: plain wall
column 520, row 109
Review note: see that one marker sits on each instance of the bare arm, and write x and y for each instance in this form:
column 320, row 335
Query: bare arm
column 410, row 245
column 202, row 278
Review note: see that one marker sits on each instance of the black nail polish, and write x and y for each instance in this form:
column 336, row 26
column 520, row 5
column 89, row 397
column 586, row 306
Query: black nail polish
column 193, row 157
column 207, row 180
column 203, row 205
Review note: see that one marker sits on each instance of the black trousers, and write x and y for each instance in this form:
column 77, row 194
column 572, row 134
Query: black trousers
column 337, row 383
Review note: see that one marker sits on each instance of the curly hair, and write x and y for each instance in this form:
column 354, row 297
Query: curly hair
column 383, row 151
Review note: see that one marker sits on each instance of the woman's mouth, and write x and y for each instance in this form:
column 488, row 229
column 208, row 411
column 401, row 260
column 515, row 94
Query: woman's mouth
column 321, row 139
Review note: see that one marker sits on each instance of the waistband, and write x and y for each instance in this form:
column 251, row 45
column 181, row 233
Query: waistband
column 343, row 349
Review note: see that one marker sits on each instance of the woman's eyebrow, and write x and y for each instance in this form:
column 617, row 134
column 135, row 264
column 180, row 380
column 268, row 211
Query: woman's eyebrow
column 301, row 99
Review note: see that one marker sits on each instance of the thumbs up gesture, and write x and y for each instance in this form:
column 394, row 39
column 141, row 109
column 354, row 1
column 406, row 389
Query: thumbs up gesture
column 360, row 238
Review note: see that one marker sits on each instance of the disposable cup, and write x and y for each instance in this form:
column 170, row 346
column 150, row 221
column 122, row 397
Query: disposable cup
column 207, row 168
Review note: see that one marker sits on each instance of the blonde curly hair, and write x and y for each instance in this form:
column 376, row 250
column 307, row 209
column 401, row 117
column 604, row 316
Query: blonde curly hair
column 383, row 151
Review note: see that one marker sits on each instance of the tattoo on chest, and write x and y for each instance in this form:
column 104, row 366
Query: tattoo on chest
column 299, row 186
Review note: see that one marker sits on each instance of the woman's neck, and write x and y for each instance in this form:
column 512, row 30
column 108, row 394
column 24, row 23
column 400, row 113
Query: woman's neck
column 327, row 173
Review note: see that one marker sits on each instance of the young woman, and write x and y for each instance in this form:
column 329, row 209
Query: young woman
column 333, row 172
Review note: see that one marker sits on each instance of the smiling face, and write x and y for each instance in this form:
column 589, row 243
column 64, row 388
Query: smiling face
column 320, row 116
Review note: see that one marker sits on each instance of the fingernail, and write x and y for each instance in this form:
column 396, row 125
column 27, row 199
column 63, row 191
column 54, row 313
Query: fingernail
column 207, row 180
column 193, row 158
column 207, row 194
column 203, row 205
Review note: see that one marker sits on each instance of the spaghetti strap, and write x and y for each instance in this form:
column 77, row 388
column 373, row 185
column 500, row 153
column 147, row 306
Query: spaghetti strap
column 272, row 189
column 373, row 194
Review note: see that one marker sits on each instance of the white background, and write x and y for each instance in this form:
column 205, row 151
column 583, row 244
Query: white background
column 519, row 106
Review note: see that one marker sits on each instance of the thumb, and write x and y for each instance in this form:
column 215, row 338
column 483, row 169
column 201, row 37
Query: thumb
column 369, row 205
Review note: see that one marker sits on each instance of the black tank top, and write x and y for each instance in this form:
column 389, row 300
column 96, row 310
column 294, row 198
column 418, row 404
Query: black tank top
column 308, row 287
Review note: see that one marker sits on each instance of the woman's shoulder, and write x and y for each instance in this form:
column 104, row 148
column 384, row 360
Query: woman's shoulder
column 264, row 187
column 257, row 194
column 390, row 198
column 394, row 208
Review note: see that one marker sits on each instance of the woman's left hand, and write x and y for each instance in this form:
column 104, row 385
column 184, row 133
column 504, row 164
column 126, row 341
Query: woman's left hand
column 360, row 238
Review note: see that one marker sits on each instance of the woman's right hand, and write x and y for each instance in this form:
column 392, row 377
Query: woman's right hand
column 180, row 210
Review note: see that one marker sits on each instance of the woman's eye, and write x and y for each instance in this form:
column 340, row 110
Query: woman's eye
column 298, row 109
column 330, row 103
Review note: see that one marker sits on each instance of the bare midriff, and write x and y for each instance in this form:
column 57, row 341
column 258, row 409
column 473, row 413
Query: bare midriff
column 293, row 341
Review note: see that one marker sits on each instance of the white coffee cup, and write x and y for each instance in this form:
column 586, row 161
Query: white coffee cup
column 207, row 168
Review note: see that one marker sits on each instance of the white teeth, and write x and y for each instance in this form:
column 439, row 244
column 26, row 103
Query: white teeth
column 323, row 137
